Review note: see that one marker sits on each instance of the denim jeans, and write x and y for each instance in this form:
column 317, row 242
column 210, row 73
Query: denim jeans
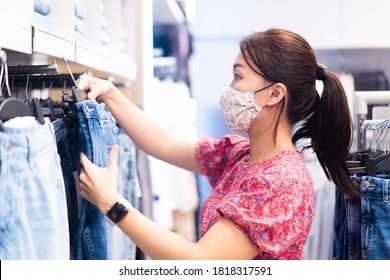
column 354, row 224
column 33, row 209
column 340, row 228
column 375, row 208
column 367, row 221
column 67, row 134
column 97, row 136
column 121, row 247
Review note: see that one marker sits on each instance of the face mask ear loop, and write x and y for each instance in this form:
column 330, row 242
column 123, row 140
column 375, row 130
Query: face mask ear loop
column 264, row 87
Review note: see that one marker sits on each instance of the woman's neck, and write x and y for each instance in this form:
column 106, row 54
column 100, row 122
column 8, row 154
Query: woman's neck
column 263, row 146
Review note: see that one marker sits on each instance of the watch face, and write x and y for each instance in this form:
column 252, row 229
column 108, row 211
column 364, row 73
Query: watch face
column 117, row 212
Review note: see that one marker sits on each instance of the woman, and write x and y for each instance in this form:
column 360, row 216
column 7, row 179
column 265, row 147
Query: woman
column 261, row 206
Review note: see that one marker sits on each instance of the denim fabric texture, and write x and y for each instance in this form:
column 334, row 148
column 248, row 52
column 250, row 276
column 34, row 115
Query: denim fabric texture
column 33, row 209
column 121, row 247
column 366, row 230
column 67, row 133
column 340, row 228
column 375, row 209
column 97, row 136
column 354, row 226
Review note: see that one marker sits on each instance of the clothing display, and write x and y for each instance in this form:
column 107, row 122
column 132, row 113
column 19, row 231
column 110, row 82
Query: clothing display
column 319, row 242
column 97, row 136
column 285, row 205
column 43, row 214
column 174, row 189
column 371, row 81
column 66, row 133
column 42, row 10
column 176, row 41
column 120, row 246
column 362, row 224
column 80, row 13
column 33, row 217
column 361, row 227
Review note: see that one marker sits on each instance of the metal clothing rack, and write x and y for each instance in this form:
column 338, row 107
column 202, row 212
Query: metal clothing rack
column 36, row 75
column 33, row 69
column 11, row 107
column 361, row 101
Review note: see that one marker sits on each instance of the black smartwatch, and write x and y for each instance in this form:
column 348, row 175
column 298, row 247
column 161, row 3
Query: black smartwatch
column 116, row 212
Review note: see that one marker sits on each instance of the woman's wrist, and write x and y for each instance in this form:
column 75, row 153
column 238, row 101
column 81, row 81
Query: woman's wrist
column 111, row 92
column 108, row 203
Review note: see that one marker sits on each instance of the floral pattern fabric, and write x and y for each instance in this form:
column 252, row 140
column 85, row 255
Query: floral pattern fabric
column 271, row 202
column 239, row 109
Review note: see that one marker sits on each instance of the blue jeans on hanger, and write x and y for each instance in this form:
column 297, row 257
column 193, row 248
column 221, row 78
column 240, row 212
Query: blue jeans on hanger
column 33, row 210
column 67, row 135
column 367, row 230
column 340, row 228
column 121, row 247
column 375, row 213
column 97, row 136
column 353, row 226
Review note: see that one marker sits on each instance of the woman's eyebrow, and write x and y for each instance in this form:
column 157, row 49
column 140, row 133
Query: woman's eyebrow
column 236, row 65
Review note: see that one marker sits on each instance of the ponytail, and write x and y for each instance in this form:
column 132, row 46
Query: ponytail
column 330, row 129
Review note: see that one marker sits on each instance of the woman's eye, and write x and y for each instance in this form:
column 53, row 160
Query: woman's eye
column 236, row 77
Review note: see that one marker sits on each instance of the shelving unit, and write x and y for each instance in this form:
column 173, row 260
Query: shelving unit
column 127, row 58
column 15, row 25
column 23, row 35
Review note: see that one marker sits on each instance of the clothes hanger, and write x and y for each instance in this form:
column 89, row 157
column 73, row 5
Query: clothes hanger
column 380, row 164
column 48, row 105
column 11, row 107
column 374, row 163
column 78, row 95
column 358, row 165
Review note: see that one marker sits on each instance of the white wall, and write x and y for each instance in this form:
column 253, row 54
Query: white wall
column 347, row 34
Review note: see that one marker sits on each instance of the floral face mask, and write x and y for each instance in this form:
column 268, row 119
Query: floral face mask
column 239, row 108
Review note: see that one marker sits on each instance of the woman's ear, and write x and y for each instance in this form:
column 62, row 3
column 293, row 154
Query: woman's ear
column 277, row 94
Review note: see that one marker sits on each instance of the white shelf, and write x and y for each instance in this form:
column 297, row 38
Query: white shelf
column 15, row 37
column 114, row 64
column 88, row 56
column 52, row 44
column 54, row 35
column 15, row 25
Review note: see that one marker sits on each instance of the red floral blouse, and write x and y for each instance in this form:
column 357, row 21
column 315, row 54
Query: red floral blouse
column 272, row 201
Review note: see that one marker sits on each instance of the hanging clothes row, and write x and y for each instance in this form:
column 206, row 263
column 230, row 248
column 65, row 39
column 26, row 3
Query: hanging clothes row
column 174, row 189
column 176, row 41
column 42, row 215
column 361, row 226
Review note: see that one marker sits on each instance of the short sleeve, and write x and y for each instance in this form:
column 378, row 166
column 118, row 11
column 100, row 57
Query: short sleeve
column 273, row 221
column 214, row 156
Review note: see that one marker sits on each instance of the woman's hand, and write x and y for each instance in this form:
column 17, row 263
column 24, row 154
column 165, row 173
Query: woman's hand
column 98, row 89
column 100, row 185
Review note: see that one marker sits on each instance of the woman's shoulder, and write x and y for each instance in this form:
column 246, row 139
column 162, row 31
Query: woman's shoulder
column 286, row 168
column 229, row 147
column 227, row 140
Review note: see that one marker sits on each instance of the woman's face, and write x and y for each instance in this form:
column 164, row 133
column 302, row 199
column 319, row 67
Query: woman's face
column 247, row 80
